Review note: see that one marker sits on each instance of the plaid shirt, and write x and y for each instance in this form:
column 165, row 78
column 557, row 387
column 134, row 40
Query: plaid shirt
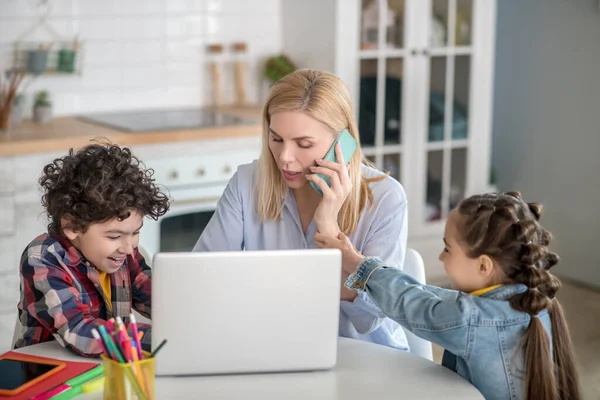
column 62, row 299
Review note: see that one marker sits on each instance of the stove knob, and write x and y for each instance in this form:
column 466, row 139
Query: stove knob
column 173, row 174
column 226, row 169
column 200, row 172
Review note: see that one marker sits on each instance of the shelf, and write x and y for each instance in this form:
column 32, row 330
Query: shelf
column 51, row 58
column 463, row 51
column 368, row 54
column 385, row 149
column 385, row 53
column 369, row 151
column 399, row 53
column 392, row 148
column 395, row 53
column 453, row 144
column 449, row 51
column 430, row 146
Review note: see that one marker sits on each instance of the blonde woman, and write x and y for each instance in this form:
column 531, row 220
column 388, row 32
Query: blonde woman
column 270, row 205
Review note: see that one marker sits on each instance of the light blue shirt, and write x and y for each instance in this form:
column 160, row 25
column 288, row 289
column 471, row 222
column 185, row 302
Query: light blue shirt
column 381, row 232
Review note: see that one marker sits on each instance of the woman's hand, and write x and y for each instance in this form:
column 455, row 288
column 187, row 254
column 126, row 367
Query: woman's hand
column 326, row 214
column 350, row 258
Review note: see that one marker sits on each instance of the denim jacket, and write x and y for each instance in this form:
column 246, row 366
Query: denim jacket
column 481, row 335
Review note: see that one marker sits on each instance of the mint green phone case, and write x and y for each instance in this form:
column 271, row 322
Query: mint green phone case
column 348, row 145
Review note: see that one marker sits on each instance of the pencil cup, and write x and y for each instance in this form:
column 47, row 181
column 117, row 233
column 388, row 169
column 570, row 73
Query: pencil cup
column 129, row 381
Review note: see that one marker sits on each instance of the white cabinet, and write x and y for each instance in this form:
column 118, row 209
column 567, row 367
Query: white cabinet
column 6, row 175
column 9, row 255
column 421, row 76
column 7, row 326
column 7, row 214
column 9, row 292
column 190, row 172
column 32, row 222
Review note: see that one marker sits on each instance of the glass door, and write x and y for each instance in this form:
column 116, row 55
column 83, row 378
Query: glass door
column 382, row 54
column 448, row 53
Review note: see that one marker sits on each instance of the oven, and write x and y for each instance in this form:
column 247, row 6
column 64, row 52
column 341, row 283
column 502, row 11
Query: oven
column 195, row 185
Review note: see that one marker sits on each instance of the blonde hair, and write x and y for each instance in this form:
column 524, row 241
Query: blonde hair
column 324, row 97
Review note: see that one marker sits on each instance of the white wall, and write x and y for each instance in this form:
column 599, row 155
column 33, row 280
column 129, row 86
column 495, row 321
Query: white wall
column 145, row 53
column 311, row 48
column 547, row 121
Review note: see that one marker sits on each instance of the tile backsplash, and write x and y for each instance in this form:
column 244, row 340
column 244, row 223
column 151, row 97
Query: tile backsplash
column 144, row 53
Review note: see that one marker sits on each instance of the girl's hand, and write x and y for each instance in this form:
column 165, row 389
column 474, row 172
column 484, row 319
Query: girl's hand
column 326, row 214
column 350, row 256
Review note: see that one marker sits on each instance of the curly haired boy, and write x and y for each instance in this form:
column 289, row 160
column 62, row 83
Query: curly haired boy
column 87, row 268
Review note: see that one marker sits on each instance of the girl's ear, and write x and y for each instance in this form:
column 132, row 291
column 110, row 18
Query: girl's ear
column 486, row 265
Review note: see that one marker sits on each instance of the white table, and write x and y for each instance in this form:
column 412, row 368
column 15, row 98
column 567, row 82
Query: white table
column 364, row 371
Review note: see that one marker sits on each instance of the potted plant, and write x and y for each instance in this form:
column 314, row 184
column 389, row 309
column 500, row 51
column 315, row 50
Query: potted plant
column 42, row 108
column 277, row 67
column 38, row 59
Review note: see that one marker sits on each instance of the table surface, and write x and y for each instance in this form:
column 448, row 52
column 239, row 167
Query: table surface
column 363, row 371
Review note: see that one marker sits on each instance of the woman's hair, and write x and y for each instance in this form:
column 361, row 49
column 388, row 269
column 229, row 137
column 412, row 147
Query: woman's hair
column 507, row 229
column 100, row 182
column 324, row 97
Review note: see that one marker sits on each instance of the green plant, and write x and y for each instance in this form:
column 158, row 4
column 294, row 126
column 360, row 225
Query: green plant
column 42, row 98
column 277, row 67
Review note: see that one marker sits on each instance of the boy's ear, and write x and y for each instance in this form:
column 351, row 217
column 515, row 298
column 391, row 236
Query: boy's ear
column 67, row 228
column 486, row 265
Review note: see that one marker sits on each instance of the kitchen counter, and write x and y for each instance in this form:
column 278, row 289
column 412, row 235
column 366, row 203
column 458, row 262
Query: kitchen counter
column 62, row 133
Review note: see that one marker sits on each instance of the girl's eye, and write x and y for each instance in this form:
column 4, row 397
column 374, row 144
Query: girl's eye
column 446, row 250
column 113, row 237
column 305, row 145
column 278, row 140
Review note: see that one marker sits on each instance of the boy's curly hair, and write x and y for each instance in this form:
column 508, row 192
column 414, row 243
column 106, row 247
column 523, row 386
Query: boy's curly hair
column 99, row 182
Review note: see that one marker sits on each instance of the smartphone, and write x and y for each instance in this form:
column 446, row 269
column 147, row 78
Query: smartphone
column 18, row 373
column 348, row 145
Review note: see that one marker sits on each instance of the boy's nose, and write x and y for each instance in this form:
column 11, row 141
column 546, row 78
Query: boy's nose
column 126, row 248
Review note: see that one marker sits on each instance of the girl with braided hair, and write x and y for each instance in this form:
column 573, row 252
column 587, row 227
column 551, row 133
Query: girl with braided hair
column 502, row 328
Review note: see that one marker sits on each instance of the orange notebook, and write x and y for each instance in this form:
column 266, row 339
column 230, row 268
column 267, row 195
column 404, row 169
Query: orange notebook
column 73, row 369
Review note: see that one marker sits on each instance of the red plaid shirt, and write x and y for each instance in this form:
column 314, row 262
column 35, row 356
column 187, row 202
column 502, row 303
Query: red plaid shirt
column 62, row 299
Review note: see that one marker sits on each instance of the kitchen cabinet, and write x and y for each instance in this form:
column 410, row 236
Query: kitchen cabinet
column 187, row 172
column 420, row 73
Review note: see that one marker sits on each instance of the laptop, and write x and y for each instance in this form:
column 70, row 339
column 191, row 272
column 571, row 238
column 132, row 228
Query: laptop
column 246, row 311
